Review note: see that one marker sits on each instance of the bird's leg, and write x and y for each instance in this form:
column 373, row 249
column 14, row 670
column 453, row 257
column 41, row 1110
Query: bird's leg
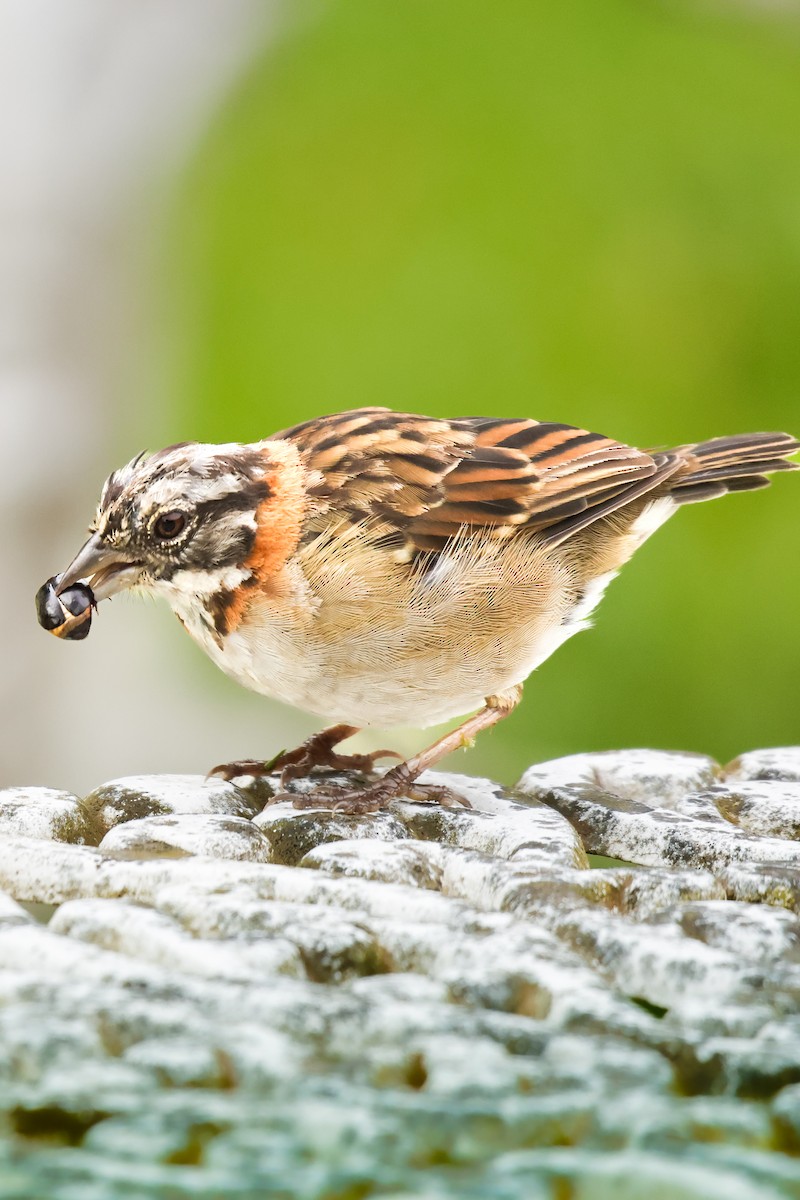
column 316, row 751
column 401, row 781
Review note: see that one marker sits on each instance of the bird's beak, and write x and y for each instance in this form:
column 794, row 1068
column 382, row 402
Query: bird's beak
column 105, row 570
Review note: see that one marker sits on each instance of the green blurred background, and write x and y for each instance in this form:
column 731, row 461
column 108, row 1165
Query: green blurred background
column 585, row 212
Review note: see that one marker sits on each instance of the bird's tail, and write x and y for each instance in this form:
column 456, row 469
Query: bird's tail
column 739, row 463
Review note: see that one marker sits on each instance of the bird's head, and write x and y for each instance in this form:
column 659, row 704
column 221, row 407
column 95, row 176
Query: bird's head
column 191, row 520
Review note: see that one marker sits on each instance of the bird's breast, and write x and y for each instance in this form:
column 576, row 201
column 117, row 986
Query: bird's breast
column 360, row 639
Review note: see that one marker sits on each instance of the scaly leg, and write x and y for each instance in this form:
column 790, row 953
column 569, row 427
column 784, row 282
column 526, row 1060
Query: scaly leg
column 401, row 780
column 316, row 751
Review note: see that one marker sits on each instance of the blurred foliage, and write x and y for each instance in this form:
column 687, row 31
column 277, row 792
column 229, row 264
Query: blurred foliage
column 582, row 212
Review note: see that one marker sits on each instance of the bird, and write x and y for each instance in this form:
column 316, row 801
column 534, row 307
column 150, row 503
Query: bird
column 379, row 568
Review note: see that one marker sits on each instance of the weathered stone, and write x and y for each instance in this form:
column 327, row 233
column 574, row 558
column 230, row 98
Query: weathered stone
column 154, row 937
column 174, row 837
column 638, row 833
column 779, row 763
column 409, row 862
column 786, row 1117
column 137, row 796
column 657, row 963
column 758, row 1066
column 755, row 933
column 643, row 893
column 12, row 913
column 654, row 778
column 768, row 808
column 62, row 874
column 703, row 1120
column 762, row 883
column 630, row 1174
column 497, row 824
column 41, row 812
column 439, row 1002
column 293, row 833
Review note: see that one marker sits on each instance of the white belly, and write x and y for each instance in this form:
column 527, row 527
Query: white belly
column 416, row 653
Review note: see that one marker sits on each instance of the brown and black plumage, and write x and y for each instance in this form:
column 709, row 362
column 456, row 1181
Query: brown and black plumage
column 382, row 568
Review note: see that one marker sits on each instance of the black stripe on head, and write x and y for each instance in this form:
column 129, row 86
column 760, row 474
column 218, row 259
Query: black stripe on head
column 201, row 555
column 202, row 550
column 243, row 462
column 245, row 499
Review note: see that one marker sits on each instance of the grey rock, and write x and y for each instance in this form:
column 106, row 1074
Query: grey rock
column 41, row 812
column 786, row 1117
column 758, row 933
column 12, row 913
column 177, row 836
column 644, row 893
column 654, row 778
column 143, row 933
column 497, row 824
column 293, row 833
column 704, row 1119
column 64, row 873
column 627, row 829
column 428, row 986
column 778, row 763
column 137, row 796
column 411, row 862
column 758, row 1066
column 768, row 808
column 762, row 883
column 632, row 1174
column 657, row 963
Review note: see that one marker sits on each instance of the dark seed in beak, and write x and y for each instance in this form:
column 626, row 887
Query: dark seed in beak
column 68, row 615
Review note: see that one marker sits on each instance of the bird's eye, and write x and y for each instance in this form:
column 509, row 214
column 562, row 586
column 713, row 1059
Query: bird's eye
column 169, row 525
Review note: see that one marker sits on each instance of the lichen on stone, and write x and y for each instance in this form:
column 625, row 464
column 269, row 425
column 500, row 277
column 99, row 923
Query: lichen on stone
column 423, row 1001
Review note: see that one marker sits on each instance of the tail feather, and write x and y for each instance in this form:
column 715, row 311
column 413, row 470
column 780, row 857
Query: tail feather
column 731, row 464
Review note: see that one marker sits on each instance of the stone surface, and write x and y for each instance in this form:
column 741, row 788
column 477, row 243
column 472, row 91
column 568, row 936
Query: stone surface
column 773, row 810
column 137, row 796
column 172, row 837
column 654, row 778
column 420, row 1002
column 779, row 762
column 292, row 833
column 41, row 812
column 689, row 832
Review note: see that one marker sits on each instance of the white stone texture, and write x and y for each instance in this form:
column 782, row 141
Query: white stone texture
column 770, row 808
column 655, row 778
column 40, row 812
column 690, row 831
column 175, row 836
column 778, row 762
column 138, row 796
column 420, row 985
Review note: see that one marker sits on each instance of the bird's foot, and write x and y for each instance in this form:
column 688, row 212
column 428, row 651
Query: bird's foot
column 241, row 766
column 399, row 783
column 316, row 751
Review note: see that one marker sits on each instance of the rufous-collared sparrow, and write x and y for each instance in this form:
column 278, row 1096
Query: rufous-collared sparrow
column 379, row 568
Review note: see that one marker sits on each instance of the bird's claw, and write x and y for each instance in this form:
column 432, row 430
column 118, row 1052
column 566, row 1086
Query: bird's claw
column 299, row 768
column 373, row 798
column 317, row 751
column 241, row 766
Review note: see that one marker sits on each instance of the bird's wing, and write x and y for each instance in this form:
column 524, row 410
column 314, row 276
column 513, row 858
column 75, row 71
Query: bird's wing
column 420, row 481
